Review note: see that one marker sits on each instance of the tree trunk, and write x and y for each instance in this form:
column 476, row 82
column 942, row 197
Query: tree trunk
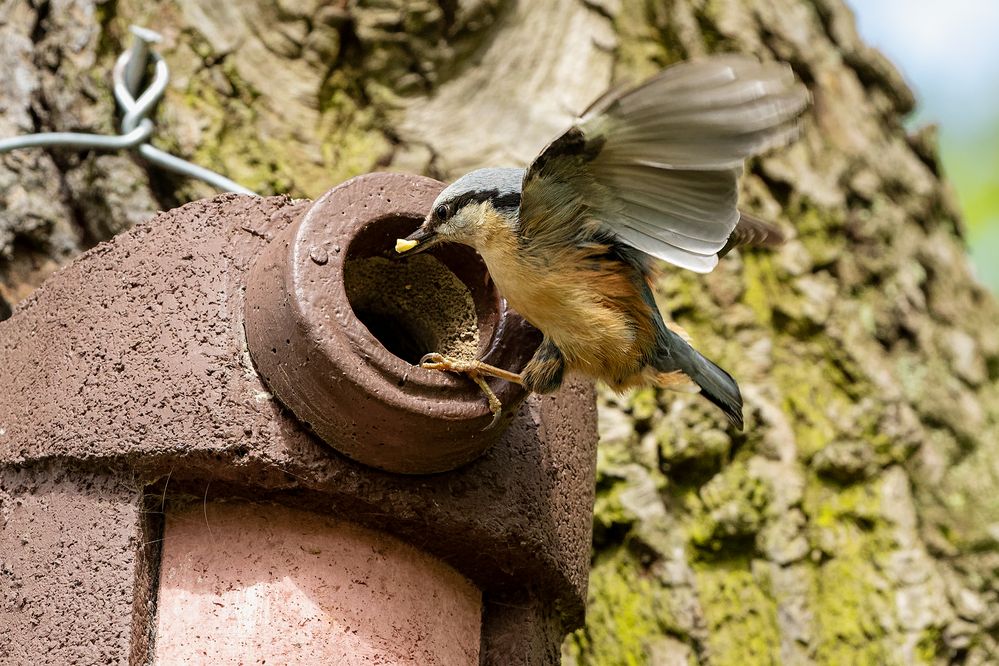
column 855, row 521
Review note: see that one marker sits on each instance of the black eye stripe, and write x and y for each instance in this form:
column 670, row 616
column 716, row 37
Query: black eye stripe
column 472, row 197
column 508, row 200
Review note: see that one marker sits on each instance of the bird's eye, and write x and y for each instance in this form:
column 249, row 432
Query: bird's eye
column 441, row 212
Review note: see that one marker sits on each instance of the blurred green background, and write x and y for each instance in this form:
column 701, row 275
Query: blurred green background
column 948, row 50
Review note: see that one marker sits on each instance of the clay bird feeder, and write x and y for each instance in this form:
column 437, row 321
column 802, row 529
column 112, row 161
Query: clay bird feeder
column 214, row 445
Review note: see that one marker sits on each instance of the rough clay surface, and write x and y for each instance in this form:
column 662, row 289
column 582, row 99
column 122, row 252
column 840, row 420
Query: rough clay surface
column 70, row 545
column 855, row 521
column 258, row 584
column 135, row 356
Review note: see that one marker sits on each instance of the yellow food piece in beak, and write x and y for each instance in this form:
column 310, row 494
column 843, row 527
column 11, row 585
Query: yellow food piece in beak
column 403, row 245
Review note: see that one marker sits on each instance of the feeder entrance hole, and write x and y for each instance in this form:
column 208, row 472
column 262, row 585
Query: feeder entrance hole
column 419, row 304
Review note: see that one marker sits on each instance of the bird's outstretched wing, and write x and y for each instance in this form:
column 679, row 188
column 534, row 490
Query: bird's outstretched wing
column 657, row 165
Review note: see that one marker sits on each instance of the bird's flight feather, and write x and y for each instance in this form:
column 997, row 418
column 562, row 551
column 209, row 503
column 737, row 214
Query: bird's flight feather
column 658, row 165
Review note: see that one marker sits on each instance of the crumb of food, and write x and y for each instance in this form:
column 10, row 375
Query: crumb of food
column 402, row 245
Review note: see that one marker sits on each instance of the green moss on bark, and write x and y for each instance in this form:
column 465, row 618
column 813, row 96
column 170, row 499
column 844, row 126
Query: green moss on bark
column 626, row 610
column 854, row 608
column 740, row 613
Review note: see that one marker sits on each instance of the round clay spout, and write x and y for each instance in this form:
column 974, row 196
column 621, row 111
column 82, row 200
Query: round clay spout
column 334, row 325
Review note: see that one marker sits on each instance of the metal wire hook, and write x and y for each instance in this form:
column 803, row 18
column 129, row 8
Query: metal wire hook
column 136, row 110
column 136, row 128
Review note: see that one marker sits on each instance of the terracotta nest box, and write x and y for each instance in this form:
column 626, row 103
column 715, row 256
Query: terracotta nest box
column 214, row 445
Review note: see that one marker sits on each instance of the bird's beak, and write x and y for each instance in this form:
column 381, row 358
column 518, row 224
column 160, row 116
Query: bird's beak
column 418, row 241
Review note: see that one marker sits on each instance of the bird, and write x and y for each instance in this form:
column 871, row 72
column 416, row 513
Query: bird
column 647, row 172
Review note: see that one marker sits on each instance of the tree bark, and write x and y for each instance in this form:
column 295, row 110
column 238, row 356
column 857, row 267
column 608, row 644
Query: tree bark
column 856, row 520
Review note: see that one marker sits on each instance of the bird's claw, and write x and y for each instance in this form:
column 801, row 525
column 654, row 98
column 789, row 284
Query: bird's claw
column 435, row 361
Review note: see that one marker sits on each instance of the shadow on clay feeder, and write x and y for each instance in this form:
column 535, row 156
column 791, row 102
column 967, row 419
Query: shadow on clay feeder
column 335, row 324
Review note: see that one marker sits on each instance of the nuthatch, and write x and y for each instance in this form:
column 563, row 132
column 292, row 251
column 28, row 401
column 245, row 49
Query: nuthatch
column 650, row 171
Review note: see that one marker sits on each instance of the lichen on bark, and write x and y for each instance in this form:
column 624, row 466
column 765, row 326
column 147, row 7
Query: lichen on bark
column 856, row 520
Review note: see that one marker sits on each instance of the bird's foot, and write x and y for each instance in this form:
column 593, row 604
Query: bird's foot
column 476, row 371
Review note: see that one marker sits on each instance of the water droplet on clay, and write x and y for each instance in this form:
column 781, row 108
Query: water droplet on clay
column 318, row 255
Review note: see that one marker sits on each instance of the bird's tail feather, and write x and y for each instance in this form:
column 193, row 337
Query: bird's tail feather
column 716, row 385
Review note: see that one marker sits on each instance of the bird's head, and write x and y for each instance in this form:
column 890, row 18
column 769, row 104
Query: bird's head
column 469, row 211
